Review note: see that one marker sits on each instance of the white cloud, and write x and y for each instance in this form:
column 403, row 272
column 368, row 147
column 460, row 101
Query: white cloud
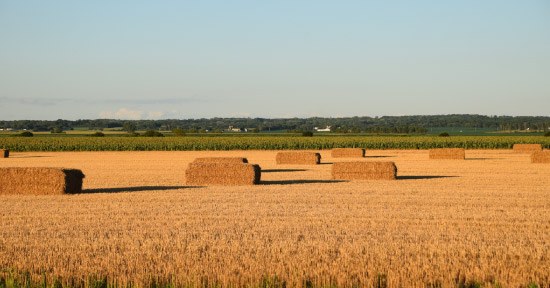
column 128, row 114
column 122, row 113
column 154, row 115
column 239, row 115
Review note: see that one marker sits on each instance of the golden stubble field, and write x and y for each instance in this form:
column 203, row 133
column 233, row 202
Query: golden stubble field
column 484, row 219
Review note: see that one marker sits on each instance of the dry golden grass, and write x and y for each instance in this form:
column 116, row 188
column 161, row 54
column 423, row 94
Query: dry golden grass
column 540, row 156
column 297, row 157
column 348, row 152
column 363, row 170
column 204, row 173
column 486, row 218
column 40, row 180
column 527, row 148
column 221, row 160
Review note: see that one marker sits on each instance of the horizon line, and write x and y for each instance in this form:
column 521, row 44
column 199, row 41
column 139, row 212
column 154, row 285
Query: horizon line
column 281, row 118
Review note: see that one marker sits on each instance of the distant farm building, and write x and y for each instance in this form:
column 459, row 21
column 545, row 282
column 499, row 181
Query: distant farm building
column 234, row 129
column 327, row 129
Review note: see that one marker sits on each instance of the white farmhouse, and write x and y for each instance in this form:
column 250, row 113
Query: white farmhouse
column 327, row 129
column 234, row 129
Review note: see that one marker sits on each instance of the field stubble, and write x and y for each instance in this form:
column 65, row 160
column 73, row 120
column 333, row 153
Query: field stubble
column 486, row 218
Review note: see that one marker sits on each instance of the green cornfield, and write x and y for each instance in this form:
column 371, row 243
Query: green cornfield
column 190, row 143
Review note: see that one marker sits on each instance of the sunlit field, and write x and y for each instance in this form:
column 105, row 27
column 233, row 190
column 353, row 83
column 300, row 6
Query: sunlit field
column 443, row 223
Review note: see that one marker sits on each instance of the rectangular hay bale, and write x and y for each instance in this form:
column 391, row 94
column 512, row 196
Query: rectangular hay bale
column 40, row 180
column 222, row 174
column 448, row 153
column 348, row 152
column 221, row 160
column 381, row 170
column 4, row 153
column 301, row 158
column 540, row 157
column 527, row 148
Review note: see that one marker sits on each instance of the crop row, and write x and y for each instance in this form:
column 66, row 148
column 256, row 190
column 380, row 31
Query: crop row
column 20, row 144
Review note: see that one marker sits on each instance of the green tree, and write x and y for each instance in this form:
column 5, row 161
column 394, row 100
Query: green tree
column 129, row 127
column 178, row 132
column 56, row 130
column 152, row 133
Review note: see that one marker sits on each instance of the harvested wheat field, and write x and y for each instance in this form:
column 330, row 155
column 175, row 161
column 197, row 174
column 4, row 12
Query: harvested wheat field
column 484, row 220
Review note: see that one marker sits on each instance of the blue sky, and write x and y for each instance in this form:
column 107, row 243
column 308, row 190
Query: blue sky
column 193, row 59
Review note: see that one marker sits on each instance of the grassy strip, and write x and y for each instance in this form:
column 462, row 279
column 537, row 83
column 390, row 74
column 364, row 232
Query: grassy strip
column 190, row 143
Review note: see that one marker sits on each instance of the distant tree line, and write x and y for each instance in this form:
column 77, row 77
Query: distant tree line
column 387, row 124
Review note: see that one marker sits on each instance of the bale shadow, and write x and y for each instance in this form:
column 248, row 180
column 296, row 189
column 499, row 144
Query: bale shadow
column 483, row 158
column 423, row 177
column 325, row 163
column 134, row 189
column 30, row 156
column 282, row 170
column 380, row 156
column 301, row 181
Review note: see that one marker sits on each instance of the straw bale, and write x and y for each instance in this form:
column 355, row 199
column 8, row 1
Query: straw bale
column 4, row 153
column 448, row 153
column 527, row 148
column 301, row 158
column 222, row 174
column 348, row 152
column 221, row 160
column 540, row 156
column 40, row 180
column 382, row 170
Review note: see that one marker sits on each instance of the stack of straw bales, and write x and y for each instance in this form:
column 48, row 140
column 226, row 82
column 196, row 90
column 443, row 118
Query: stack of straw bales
column 233, row 160
column 364, row 170
column 301, row 158
column 527, row 148
column 448, row 153
column 222, row 174
column 40, row 180
column 348, row 152
column 4, row 153
column 540, row 157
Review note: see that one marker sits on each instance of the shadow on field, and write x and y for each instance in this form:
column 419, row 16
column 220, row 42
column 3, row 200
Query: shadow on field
column 133, row 189
column 325, row 163
column 37, row 156
column 483, row 158
column 379, row 156
column 423, row 177
column 282, row 170
column 303, row 181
